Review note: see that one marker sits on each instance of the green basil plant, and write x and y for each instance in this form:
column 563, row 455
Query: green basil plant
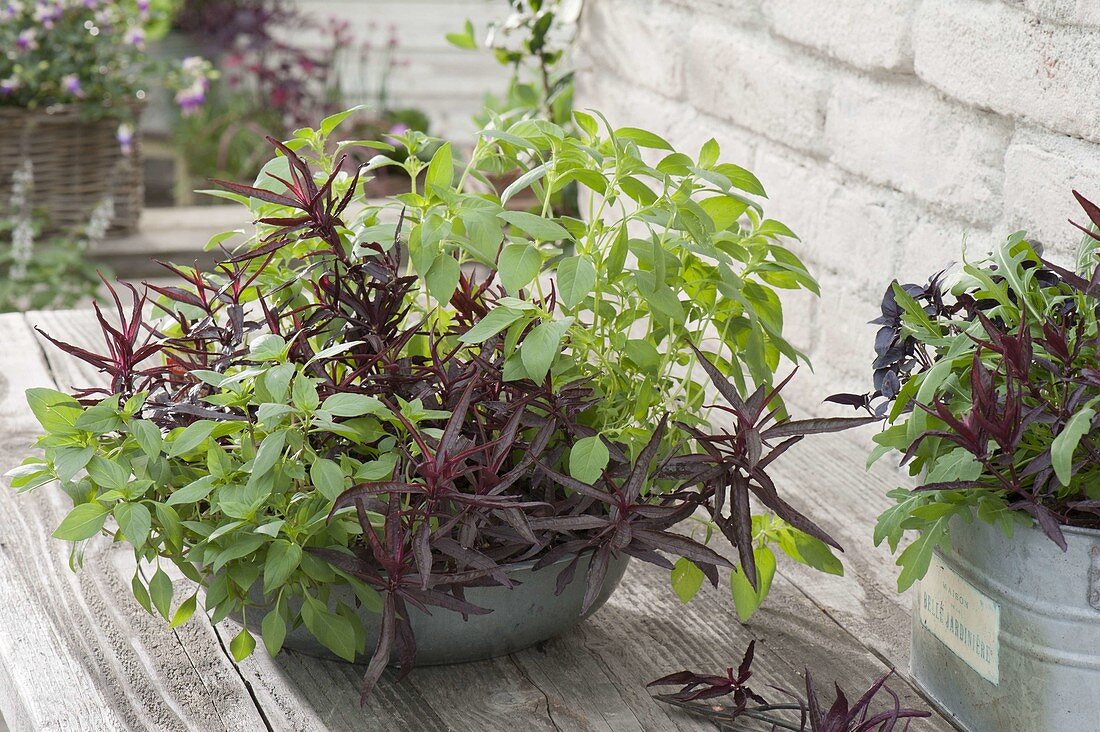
column 405, row 397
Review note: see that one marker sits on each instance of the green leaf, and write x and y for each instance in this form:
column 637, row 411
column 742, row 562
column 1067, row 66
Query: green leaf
column 192, row 492
column 330, row 123
column 67, row 461
column 148, row 437
column 160, row 591
column 532, row 175
column 576, row 277
column 724, row 211
column 277, row 380
column 745, row 598
column 616, row 257
column 541, row 346
column 494, row 322
column 327, row 477
column 55, row 411
column 915, row 558
column 83, row 522
column 221, row 236
column 442, row 277
column 1065, row 442
column 746, row 181
column 271, row 528
column 100, row 419
column 464, row 40
column 660, row 297
column 643, row 138
column 273, row 629
column 283, row 558
column 354, row 405
column 334, row 631
column 184, row 611
column 587, row 459
column 240, row 547
column 170, row 525
column 191, row 437
column 242, row 645
column 815, row 553
column 916, row 319
column 271, row 450
column 304, row 393
column 441, row 168
column 268, row 347
column 29, row 475
column 519, row 264
column 369, row 598
column 959, row 464
column 135, row 521
column 644, row 354
column 686, row 579
column 639, row 192
column 542, row 229
column 586, row 122
column 109, row 474
column 334, row 350
column 140, row 593
column 709, row 153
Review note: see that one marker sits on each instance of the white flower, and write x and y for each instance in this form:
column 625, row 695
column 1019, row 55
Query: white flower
column 22, row 235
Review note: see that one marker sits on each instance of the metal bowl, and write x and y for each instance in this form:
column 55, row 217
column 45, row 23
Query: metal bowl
column 527, row 614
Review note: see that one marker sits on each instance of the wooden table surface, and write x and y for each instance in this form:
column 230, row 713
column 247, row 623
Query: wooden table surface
column 78, row 653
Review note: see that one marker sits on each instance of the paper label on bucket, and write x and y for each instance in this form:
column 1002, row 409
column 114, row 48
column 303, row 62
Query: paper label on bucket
column 965, row 619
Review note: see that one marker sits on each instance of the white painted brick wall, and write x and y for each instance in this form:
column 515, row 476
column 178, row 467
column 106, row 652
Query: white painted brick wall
column 1086, row 12
column 867, row 33
column 1011, row 61
column 757, row 82
column 643, row 38
column 1040, row 169
column 899, row 133
column 888, row 133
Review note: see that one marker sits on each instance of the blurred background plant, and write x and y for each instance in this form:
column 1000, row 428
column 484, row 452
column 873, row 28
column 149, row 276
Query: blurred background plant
column 280, row 69
column 536, row 42
column 88, row 54
column 52, row 272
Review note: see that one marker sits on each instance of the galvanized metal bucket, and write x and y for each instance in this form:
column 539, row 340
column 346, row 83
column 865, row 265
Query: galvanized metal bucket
column 528, row 614
column 1006, row 632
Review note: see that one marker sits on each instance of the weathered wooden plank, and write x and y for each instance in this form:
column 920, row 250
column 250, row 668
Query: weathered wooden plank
column 74, row 655
column 302, row 693
column 21, row 368
column 829, row 481
column 590, row 679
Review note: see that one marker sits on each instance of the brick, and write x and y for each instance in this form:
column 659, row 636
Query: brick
column 1008, row 60
column 856, row 234
column 754, row 81
column 899, row 133
column 640, row 40
column 865, row 33
column 800, row 321
column 742, row 12
column 935, row 242
column 843, row 351
column 1083, row 12
column 847, row 230
column 1041, row 170
column 626, row 104
column 738, row 144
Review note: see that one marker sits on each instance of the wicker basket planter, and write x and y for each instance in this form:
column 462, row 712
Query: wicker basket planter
column 77, row 163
